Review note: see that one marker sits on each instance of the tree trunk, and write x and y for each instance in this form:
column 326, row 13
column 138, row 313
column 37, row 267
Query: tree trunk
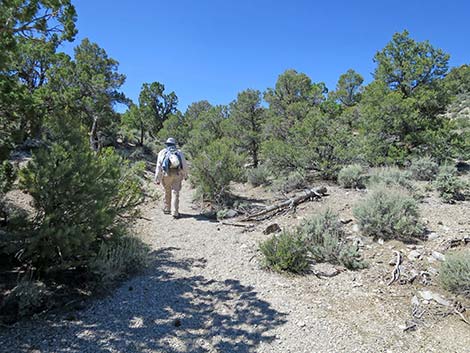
column 94, row 140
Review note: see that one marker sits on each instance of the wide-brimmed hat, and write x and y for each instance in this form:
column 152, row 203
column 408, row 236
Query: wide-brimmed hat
column 170, row 141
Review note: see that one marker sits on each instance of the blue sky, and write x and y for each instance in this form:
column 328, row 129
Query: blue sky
column 213, row 49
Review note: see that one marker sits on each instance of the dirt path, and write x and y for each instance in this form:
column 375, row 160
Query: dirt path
column 205, row 292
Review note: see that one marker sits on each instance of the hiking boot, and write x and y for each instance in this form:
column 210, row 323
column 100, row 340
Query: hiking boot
column 176, row 216
column 166, row 212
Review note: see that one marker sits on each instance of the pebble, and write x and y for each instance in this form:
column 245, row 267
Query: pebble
column 438, row 256
column 432, row 236
column 414, row 255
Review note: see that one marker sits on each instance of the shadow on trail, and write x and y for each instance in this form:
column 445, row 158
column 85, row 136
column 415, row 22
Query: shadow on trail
column 160, row 312
column 198, row 217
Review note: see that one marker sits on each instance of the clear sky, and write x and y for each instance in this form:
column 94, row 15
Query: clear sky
column 213, row 49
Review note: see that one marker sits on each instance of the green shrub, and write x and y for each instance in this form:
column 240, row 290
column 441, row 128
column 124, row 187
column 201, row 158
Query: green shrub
column 285, row 252
column 7, row 176
column 424, row 168
column 449, row 185
column 454, row 274
column 119, row 256
column 324, row 237
column 25, row 299
column 213, row 170
column 352, row 176
column 294, row 181
column 78, row 196
column 258, row 176
column 390, row 176
column 388, row 213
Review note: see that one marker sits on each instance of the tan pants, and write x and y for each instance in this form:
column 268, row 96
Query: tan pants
column 172, row 185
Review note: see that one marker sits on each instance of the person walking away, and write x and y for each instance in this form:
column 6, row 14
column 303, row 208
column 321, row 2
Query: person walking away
column 170, row 172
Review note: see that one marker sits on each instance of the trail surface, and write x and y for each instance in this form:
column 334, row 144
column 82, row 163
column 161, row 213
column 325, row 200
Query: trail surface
column 205, row 292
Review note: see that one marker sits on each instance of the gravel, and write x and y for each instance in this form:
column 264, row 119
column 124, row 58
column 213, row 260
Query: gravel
column 205, row 292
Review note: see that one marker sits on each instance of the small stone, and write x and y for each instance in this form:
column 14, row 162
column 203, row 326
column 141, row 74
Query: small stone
column 380, row 241
column 415, row 301
column 414, row 255
column 433, row 271
column 231, row 214
column 301, row 324
column 438, row 256
column 355, row 228
column 428, row 295
column 432, row 236
column 272, row 228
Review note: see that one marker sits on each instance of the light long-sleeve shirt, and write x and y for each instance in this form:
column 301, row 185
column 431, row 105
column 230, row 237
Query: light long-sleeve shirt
column 159, row 169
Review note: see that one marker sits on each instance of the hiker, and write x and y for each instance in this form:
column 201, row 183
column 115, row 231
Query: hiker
column 170, row 172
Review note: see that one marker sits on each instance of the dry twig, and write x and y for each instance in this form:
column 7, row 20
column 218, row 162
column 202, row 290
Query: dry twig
column 396, row 270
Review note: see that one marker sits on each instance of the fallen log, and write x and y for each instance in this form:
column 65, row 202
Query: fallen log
column 316, row 193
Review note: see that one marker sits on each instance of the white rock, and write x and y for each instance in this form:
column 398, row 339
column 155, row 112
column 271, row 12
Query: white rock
column 355, row 228
column 433, row 236
column 428, row 295
column 414, row 255
column 438, row 256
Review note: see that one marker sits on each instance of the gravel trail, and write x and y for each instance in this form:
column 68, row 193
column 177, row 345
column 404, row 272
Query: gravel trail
column 205, row 292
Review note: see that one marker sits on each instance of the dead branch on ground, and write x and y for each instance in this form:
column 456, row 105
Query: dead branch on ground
column 396, row 270
column 311, row 194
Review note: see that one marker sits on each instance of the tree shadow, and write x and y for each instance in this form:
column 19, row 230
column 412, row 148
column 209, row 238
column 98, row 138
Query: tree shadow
column 160, row 312
column 198, row 217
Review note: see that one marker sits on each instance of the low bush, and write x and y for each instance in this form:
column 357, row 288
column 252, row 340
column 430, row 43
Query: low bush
column 352, row 176
column 294, row 181
column 450, row 187
column 424, row 168
column 324, row 237
column 454, row 274
column 390, row 176
column 389, row 213
column 285, row 252
column 119, row 256
column 258, row 176
column 26, row 298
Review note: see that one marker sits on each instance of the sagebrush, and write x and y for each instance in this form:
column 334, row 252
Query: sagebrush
column 424, row 168
column 390, row 176
column 285, row 252
column 454, row 273
column 258, row 176
column 325, row 239
column 389, row 213
column 352, row 176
